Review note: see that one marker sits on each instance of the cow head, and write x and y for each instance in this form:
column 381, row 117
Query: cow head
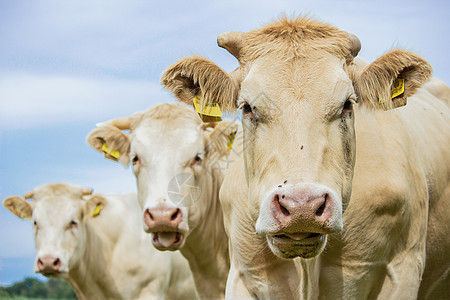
column 298, row 87
column 176, row 159
column 60, row 213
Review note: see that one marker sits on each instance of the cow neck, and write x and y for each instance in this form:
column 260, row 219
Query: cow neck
column 209, row 262
column 309, row 271
column 90, row 277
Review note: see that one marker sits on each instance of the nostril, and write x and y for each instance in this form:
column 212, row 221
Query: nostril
column 40, row 263
column 175, row 214
column 280, row 206
column 321, row 209
column 150, row 215
column 284, row 210
column 57, row 262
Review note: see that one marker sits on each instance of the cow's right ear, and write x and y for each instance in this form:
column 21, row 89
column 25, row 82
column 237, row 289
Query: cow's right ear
column 19, row 206
column 112, row 142
column 199, row 77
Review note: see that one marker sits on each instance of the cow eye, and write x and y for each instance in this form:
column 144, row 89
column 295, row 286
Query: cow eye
column 35, row 224
column 197, row 160
column 246, row 108
column 73, row 224
column 134, row 159
column 347, row 104
column 347, row 108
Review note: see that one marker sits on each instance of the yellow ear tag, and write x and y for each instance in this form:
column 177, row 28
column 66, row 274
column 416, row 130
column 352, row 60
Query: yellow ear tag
column 230, row 143
column 210, row 112
column 114, row 154
column 398, row 88
column 96, row 211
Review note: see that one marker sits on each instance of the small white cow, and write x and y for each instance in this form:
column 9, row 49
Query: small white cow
column 354, row 192
column 178, row 162
column 93, row 242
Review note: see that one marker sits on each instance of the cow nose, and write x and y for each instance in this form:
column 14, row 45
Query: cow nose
column 163, row 218
column 48, row 264
column 304, row 209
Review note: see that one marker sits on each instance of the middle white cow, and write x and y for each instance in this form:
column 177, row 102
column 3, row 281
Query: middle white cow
column 176, row 160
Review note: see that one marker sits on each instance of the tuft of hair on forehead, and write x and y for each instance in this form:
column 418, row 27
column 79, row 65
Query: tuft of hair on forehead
column 166, row 111
column 290, row 38
column 59, row 189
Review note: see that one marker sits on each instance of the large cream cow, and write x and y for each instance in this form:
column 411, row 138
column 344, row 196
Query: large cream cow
column 93, row 242
column 353, row 189
column 178, row 162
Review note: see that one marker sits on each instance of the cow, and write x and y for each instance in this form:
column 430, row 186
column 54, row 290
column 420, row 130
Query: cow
column 347, row 188
column 178, row 162
column 89, row 240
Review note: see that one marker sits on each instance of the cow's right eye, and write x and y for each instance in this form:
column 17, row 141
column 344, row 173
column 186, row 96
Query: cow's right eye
column 35, row 224
column 247, row 110
column 73, row 224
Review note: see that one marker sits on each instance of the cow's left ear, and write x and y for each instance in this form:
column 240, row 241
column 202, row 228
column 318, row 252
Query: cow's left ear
column 220, row 138
column 94, row 206
column 19, row 206
column 391, row 79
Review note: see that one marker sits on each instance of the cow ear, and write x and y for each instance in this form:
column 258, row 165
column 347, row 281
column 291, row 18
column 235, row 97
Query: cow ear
column 112, row 142
column 221, row 138
column 94, row 206
column 199, row 77
column 391, row 79
column 19, row 206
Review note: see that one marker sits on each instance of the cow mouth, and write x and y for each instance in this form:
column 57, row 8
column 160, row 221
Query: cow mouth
column 291, row 245
column 50, row 273
column 297, row 236
column 167, row 240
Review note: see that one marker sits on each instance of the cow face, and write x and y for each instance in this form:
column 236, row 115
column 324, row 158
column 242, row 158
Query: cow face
column 175, row 159
column 298, row 86
column 60, row 213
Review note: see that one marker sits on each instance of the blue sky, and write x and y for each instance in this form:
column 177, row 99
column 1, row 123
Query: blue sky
column 66, row 65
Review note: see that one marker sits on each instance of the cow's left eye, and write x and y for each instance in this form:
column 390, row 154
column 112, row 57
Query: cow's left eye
column 134, row 159
column 347, row 107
